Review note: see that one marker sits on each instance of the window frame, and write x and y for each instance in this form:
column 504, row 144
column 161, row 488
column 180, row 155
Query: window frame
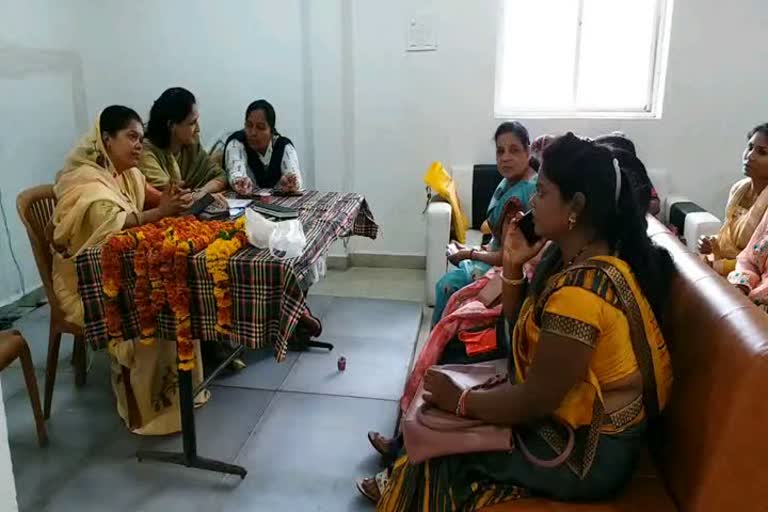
column 657, row 75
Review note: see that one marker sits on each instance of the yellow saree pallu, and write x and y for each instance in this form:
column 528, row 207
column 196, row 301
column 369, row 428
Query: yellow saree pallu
column 93, row 202
column 598, row 303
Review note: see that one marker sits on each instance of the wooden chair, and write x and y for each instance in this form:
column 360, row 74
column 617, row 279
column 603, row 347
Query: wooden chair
column 12, row 347
column 35, row 207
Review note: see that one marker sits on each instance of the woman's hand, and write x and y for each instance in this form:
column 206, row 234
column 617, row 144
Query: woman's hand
column 219, row 199
column 459, row 256
column 456, row 253
column 288, row 183
column 706, row 245
column 243, row 186
column 441, row 391
column 173, row 202
column 516, row 248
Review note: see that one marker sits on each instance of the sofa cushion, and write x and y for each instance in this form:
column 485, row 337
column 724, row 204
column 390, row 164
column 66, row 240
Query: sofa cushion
column 484, row 182
column 644, row 493
column 714, row 449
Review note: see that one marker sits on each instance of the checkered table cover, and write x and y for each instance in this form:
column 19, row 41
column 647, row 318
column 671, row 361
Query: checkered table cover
column 267, row 296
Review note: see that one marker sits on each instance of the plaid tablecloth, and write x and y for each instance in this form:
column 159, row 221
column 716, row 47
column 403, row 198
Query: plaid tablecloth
column 267, row 295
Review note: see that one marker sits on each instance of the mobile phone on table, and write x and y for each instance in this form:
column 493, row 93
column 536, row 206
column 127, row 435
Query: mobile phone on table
column 525, row 224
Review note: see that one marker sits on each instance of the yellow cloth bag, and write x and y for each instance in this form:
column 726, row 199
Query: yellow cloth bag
column 438, row 179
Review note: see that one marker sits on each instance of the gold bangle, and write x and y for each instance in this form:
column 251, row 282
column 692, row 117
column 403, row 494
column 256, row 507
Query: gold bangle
column 512, row 282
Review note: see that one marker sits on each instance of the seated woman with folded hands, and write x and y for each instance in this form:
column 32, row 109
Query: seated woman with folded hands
column 258, row 156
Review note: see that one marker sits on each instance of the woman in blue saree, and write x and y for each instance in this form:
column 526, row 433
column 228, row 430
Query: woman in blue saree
column 518, row 182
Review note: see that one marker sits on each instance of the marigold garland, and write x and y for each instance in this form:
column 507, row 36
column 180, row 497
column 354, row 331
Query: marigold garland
column 217, row 257
column 160, row 263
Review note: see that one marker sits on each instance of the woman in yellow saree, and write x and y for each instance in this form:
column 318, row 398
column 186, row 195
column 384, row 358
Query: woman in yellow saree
column 587, row 352
column 99, row 193
column 747, row 203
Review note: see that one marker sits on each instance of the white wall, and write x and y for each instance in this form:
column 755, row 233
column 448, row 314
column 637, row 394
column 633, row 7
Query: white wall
column 366, row 115
column 228, row 57
column 41, row 113
column 414, row 108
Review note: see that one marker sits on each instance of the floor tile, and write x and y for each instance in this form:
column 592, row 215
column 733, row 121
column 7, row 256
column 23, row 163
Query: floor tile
column 310, row 465
column 42, row 472
column 374, row 283
column 376, row 368
column 261, row 372
column 13, row 382
column 34, row 327
column 104, row 484
column 80, row 417
column 388, row 319
column 223, row 425
column 303, row 449
column 320, row 305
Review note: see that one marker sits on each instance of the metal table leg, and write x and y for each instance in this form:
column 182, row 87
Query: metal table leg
column 189, row 457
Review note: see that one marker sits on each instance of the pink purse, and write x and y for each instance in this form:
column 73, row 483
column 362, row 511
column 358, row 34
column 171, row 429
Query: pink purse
column 430, row 433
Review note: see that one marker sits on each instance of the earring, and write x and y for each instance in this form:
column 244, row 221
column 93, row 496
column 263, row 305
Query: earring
column 571, row 221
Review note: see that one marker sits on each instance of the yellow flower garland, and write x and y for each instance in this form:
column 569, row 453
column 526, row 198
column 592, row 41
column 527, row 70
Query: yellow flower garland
column 217, row 257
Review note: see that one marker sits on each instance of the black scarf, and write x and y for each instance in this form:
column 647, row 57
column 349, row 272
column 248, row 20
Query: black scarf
column 266, row 177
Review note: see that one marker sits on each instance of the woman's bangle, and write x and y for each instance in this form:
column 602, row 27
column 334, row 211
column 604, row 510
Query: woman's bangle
column 461, row 406
column 512, row 282
column 471, row 254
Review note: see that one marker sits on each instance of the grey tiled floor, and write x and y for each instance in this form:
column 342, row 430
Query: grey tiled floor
column 297, row 427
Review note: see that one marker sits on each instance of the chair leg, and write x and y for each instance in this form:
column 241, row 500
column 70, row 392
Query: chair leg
column 34, row 395
column 80, row 355
column 54, row 341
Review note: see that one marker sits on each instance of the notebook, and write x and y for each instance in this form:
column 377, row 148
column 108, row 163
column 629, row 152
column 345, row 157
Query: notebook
column 275, row 211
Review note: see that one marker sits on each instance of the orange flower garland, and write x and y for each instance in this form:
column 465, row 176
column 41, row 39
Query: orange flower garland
column 112, row 268
column 160, row 263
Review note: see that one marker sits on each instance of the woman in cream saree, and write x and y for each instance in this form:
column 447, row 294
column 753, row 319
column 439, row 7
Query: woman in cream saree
column 99, row 193
column 747, row 203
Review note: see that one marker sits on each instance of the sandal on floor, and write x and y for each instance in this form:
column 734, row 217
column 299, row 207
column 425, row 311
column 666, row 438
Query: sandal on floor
column 381, row 480
column 372, row 439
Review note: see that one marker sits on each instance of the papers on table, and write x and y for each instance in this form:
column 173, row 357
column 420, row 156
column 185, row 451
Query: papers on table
column 235, row 203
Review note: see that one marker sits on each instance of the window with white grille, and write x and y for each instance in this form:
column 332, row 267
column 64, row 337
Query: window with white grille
column 581, row 58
